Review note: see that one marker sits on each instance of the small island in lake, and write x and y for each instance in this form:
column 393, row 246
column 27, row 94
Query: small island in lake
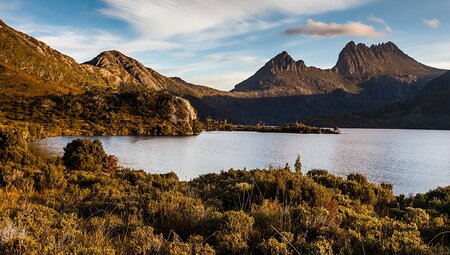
column 299, row 128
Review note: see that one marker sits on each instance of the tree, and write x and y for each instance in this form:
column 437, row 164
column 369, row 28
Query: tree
column 298, row 165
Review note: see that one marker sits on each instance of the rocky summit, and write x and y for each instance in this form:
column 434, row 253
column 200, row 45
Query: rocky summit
column 123, row 70
column 359, row 61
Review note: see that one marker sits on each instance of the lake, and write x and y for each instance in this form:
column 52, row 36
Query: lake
column 413, row 160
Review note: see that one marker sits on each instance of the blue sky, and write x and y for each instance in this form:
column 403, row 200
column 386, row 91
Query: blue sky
column 220, row 43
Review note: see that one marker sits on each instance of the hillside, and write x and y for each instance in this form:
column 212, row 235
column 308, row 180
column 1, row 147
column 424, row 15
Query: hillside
column 430, row 109
column 36, row 60
column 121, row 70
column 48, row 94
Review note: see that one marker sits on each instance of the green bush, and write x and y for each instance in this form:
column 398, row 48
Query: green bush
column 84, row 155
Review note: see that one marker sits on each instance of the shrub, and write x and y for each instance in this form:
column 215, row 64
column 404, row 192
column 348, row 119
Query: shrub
column 84, row 155
column 234, row 232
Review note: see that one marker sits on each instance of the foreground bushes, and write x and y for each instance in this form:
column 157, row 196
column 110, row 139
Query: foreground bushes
column 85, row 204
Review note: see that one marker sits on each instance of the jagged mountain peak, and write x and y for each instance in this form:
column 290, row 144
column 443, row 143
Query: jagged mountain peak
column 282, row 62
column 359, row 61
column 388, row 46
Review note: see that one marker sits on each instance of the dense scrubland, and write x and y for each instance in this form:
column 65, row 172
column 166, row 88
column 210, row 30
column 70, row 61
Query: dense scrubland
column 100, row 111
column 84, row 203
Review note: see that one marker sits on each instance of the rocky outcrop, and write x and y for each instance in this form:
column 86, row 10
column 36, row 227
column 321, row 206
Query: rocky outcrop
column 182, row 115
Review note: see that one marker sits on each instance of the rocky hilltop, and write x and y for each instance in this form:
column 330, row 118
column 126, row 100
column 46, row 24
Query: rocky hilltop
column 121, row 70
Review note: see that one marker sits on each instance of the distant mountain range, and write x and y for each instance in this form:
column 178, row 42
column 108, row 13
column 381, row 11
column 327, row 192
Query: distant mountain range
column 377, row 81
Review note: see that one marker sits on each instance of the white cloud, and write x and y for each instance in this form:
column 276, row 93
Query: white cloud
column 432, row 23
column 381, row 21
column 322, row 29
column 217, row 18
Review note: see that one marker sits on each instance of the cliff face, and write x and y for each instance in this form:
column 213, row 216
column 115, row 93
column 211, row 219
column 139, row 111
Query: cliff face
column 181, row 114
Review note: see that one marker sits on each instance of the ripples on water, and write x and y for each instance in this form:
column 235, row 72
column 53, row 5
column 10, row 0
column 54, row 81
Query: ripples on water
column 413, row 160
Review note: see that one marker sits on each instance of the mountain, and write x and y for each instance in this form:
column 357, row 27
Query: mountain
column 42, row 65
column 282, row 75
column 285, row 90
column 282, row 91
column 360, row 69
column 358, row 61
column 45, row 93
column 119, row 69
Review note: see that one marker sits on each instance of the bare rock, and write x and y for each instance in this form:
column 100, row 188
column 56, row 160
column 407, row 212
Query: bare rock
column 181, row 114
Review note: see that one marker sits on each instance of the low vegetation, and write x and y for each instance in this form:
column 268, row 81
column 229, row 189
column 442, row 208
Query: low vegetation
column 84, row 203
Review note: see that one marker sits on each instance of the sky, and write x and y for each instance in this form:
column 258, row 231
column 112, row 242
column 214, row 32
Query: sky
column 220, row 43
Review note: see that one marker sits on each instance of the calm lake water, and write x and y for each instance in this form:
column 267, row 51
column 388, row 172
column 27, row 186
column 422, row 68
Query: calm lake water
column 413, row 160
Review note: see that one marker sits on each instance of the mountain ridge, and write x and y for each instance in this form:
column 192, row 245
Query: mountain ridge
column 356, row 66
column 282, row 83
column 282, row 75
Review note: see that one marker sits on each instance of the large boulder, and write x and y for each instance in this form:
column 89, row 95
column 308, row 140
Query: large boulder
column 180, row 113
